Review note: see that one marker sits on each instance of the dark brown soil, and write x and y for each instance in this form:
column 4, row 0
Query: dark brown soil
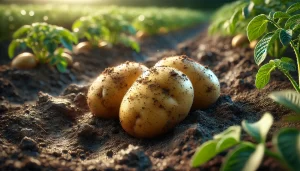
column 53, row 129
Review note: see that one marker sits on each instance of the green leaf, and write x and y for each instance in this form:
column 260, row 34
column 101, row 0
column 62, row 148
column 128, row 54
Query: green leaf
column 246, row 12
column 263, row 75
column 292, row 21
column 233, row 20
column 285, row 64
column 245, row 157
column 66, row 43
column 233, row 131
column 204, row 153
column 285, row 36
column 62, row 66
column 280, row 14
column 287, row 98
column 257, row 27
column 259, row 129
column 228, row 138
column 257, row 2
column 12, row 48
column 287, row 142
column 225, row 143
column 296, row 27
column 261, row 49
column 293, row 8
column 21, row 31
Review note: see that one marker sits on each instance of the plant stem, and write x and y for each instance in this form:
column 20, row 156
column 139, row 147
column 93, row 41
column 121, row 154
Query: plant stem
column 298, row 61
column 294, row 83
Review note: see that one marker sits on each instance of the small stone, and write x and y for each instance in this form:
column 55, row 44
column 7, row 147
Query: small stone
column 28, row 144
column 109, row 154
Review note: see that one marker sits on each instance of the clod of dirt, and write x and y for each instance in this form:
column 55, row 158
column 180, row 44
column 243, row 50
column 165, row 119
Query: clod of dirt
column 4, row 106
column 133, row 157
column 59, row 105
column 28, row 144
column 86, row 131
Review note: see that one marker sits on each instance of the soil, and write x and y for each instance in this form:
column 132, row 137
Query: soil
column 45, row 123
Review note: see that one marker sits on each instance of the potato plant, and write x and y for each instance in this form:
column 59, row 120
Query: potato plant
column 45, row 41
column 88, row 27
column 286, row 28
column 106, row 26
column 246, row 155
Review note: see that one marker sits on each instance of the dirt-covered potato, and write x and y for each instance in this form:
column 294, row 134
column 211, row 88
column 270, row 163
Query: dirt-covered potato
column 205, row 82
column 156, row 102
column 239, row 40
column 24, row 61
column 107, row 91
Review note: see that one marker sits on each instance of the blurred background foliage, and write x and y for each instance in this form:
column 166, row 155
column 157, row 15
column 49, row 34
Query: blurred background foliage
column 193, row 4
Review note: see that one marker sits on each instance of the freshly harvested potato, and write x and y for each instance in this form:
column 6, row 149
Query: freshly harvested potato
column 68, row 58
column 107, row 91
column 205, row 82
column 24, row 61
column 156, row 102
column 83, row 47
column 239, row 40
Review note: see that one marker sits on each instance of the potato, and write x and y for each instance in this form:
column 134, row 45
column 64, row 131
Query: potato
column 239, row 40
column 105, row 45
column 68, row 58
column 107, row 91
column 83, row 47
column 205, row 82
column 156, row 102
column 253, row 44
column 24, row 61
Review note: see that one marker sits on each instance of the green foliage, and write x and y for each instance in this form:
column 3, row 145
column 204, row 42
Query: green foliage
column 285, row 29
column 233, row 18
column 259, row 129
column 110, row 27
column 14, row 16
column 287, row 98
column 287, row 143
column 45, row 41
column 248, row 156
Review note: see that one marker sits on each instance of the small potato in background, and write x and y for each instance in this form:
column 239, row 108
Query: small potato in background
column 24, row 61
column 239, row 40
column 205, row 82
column 107, row 91
column 156, row 102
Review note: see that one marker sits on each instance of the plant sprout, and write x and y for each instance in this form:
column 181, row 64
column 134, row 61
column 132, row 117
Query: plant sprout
column 248, row 156
column 45, row 41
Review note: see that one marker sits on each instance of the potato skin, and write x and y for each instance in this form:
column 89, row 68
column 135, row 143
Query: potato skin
column 107, row 91
column 24, row 61
column 205, row 82
column 156, row 102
